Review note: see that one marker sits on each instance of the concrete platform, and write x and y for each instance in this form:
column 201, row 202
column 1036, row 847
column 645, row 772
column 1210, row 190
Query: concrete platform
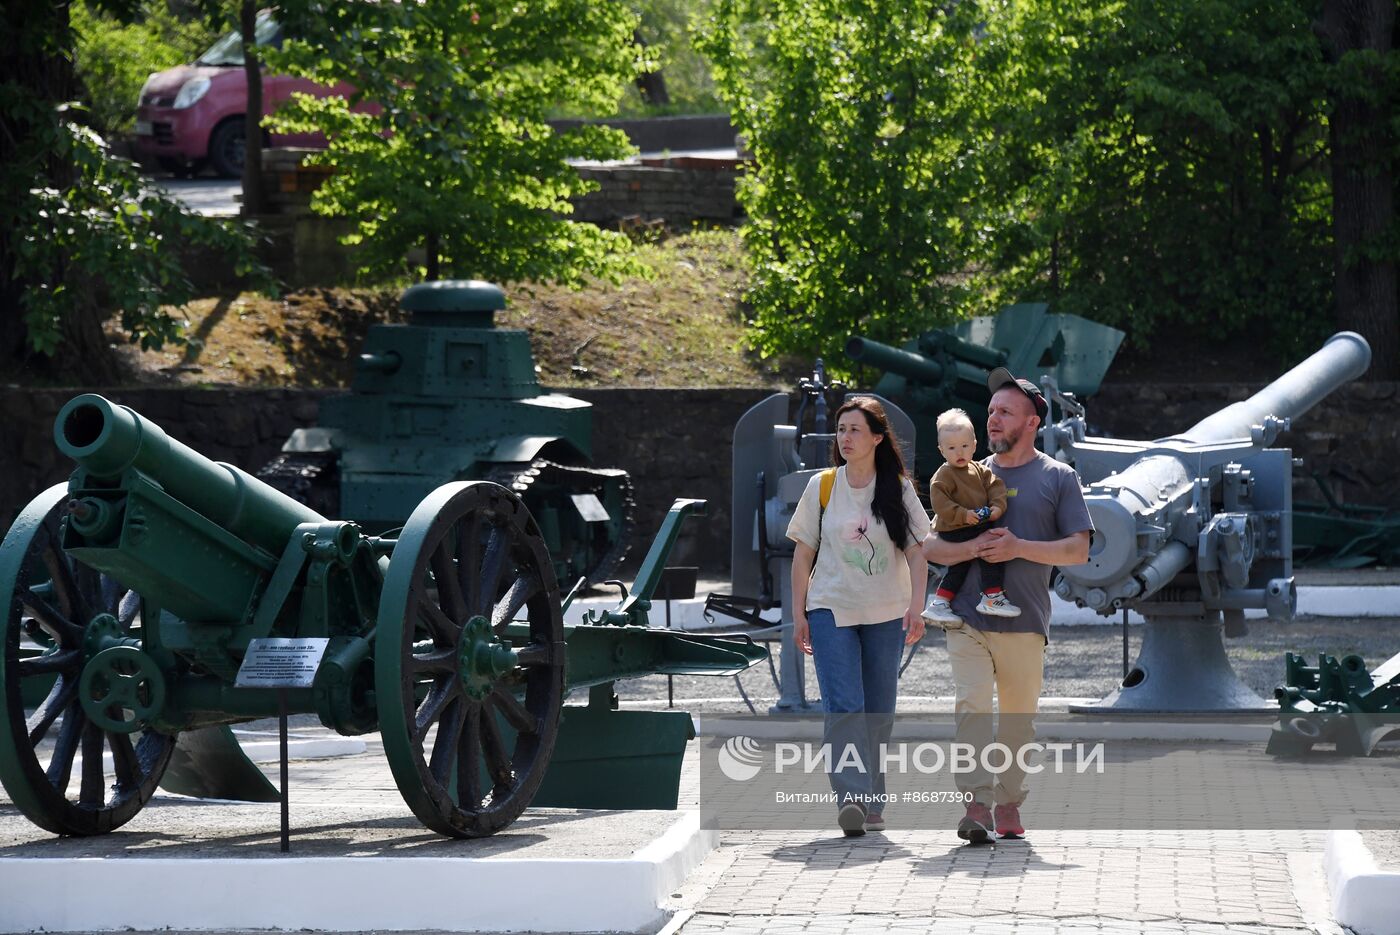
column 359, row 861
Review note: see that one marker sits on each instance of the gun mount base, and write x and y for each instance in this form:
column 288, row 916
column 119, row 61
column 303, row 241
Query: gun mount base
column 1181, row 668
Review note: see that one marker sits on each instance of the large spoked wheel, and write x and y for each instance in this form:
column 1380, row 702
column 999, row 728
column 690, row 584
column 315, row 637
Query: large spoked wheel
column 65, row 772
column 467, row 715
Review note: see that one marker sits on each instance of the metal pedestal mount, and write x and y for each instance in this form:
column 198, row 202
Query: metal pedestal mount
column 1181, row 667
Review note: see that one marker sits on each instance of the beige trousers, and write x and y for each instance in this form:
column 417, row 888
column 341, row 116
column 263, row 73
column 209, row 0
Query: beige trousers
column 1013, row 664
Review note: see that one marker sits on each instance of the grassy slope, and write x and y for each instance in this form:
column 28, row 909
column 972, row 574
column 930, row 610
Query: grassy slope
column 680, row 327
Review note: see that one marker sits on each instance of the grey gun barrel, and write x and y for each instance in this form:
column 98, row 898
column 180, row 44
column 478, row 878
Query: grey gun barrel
column 1344, row 357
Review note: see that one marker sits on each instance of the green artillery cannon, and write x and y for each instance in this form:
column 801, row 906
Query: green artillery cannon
column 949, row 367
column 135, row 591
column 448, row 396
column 1336, row 701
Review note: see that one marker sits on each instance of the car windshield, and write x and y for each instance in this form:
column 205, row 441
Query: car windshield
column 229, row 49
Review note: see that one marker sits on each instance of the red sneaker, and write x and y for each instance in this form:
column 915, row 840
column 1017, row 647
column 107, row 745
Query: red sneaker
column 976, row 825
column 1009, row 821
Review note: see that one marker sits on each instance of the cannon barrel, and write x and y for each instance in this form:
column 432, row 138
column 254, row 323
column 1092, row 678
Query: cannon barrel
column 388, row 362
column 949, row 343
column 920, row 369
column 108, row 440
column 894, row 360
column 1344, row 357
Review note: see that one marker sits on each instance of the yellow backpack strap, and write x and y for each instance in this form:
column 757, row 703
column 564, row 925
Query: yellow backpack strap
column 824, row 496
column 828, row 481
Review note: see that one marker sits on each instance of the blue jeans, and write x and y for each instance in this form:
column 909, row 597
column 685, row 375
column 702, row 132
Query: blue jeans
column 858, row 675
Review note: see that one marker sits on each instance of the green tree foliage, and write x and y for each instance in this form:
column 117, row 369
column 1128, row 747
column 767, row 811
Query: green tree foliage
column 113, row 56
column 864, row 206
column 112, row 231
column 1165, row 164
column 1148, row 165
column 665, row 26
column 81, row 234
column 443, row 151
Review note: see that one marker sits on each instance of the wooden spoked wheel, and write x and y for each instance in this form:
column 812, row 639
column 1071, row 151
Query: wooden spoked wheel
column 468, row 717
column 66, row 772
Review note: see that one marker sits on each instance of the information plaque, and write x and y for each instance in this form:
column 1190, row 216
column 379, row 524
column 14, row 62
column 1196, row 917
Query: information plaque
column 281, row 662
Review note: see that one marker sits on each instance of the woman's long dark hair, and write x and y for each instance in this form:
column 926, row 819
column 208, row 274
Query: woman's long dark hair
column 887, row 505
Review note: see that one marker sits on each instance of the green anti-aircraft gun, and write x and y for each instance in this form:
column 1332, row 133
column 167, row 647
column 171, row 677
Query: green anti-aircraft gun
column 132, row 596
column 948, row 367
column 448, row 396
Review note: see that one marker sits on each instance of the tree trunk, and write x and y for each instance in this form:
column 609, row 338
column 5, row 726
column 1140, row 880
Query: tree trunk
column 651, row 84
column 432, row 250
column 253, row 202
column 1363, row 185
column 30, row 30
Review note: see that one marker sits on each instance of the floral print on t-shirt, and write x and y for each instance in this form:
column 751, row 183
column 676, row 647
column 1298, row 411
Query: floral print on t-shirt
column 858, row 551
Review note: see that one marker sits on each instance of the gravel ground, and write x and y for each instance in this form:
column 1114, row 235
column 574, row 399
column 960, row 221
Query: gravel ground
column 1385, row 847
column 1087, row 661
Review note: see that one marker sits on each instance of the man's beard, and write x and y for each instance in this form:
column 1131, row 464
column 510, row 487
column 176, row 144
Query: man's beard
column 1007, row 441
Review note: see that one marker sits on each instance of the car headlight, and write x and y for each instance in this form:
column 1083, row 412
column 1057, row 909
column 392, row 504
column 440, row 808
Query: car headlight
column 190, row 92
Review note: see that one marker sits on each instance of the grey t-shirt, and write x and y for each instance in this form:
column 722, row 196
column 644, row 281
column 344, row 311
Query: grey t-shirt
column 1043, row 502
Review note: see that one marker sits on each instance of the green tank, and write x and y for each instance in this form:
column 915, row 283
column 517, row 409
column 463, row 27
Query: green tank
column 449, row 396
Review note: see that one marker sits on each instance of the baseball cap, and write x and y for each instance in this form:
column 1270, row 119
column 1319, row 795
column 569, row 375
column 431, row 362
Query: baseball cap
column 1002, row 377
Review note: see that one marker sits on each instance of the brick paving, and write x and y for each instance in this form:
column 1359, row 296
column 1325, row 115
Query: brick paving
column 1140, row 882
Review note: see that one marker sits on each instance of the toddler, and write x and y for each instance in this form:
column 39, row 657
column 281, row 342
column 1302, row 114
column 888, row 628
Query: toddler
column 967, row 500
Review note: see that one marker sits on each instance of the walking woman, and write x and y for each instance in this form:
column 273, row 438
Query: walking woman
column 858, row 582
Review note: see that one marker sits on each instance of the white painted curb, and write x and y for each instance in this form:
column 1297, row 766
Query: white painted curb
column 1365, row 898
column 353, row 894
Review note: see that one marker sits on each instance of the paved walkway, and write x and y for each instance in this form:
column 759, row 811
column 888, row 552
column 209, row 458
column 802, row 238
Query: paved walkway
column 1154, row 883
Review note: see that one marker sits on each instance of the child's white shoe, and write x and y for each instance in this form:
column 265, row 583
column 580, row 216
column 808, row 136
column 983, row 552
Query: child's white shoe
column 996, row 605
column 939, row 613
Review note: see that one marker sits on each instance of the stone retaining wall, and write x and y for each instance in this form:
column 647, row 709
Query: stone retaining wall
column 676, row 195
column 676, row 443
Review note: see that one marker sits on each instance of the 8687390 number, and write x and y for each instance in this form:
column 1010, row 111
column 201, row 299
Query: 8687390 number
column 933, row 796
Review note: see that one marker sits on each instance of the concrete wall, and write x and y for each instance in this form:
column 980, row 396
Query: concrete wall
column 676, row 443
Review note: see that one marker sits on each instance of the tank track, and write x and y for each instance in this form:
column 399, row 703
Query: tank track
column 309, row 477
column 313, row 478
column 540, row 477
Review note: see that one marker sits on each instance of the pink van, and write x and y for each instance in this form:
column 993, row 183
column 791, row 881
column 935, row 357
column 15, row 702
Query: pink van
column 193, row 115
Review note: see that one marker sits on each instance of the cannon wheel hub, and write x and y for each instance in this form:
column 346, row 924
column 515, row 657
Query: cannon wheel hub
column 482, row 657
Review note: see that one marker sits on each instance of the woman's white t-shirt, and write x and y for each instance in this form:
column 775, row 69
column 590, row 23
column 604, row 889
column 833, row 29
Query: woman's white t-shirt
column 861, row 577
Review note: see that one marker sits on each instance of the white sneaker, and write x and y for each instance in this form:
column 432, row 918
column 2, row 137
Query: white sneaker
column 996, row 605
column 940, row 613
